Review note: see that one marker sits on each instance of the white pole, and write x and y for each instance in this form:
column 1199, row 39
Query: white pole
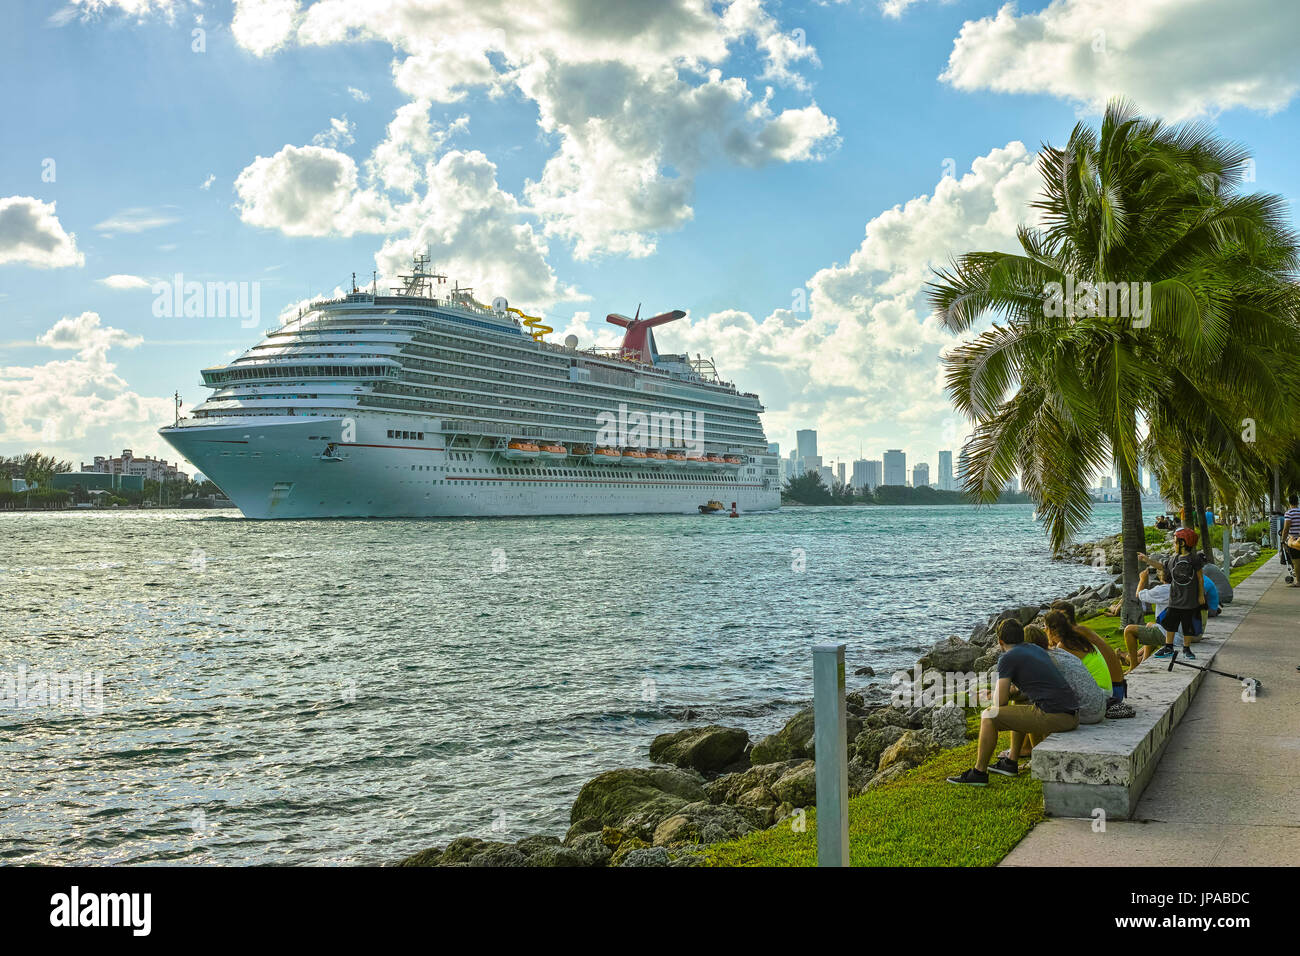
column 830, row 739
column 1227, row 549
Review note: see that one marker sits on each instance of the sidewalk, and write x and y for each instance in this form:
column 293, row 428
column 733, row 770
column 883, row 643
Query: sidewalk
column 1227, row 790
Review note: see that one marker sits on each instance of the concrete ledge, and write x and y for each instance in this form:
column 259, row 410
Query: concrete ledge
column 1107, row 765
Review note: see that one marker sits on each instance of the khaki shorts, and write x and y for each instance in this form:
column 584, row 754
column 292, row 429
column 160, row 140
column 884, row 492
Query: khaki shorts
column 1028, row 719
column 1152, row 635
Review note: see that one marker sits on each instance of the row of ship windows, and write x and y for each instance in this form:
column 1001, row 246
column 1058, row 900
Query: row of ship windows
column 562, row 473
column 409, row 436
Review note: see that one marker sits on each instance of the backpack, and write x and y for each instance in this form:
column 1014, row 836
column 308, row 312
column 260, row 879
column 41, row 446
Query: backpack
column 1182, row 573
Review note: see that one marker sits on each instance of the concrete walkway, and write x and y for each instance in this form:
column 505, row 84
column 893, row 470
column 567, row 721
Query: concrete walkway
column 1227, row 790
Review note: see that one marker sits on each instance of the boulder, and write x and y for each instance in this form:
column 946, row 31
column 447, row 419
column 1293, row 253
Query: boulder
column 952, row 654
column 644, row 856
column 988, row 660
column 636, row 799
column 730, row 788
column 797, row 786
column 871, row 743
column 947, row 726
column 886, row 776
column 867, row 671
column 629, row 846
column 591, row 849
column 704, row 822
column 889, row 717
column 705, row 749
column 911, row 749
column 795, row 739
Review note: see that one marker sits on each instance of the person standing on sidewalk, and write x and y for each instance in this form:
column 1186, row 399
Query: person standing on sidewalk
column 1186, row 592
column 1291, row 532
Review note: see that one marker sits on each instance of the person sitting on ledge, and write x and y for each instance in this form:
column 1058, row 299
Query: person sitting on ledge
column 1115, row 707
column 1051, row 705
column 1092, row 699
column 1149, row 636
column 1065, row 635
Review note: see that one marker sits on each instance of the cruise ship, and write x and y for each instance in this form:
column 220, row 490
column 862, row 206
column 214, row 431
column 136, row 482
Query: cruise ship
column 425, row 402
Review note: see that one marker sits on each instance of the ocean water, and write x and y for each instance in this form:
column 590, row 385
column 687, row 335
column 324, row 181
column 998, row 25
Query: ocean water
column 340, row 692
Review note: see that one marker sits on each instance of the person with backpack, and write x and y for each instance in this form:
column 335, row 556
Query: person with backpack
column 1186, row 593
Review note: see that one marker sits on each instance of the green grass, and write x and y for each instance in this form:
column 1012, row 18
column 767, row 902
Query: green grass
column 917, row 820
column 1110, row 629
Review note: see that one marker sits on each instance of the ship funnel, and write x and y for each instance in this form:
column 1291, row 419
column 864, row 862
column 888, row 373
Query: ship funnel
column 638, row 343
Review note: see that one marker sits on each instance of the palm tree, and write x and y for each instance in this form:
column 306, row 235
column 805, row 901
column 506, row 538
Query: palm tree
column 1124, row 295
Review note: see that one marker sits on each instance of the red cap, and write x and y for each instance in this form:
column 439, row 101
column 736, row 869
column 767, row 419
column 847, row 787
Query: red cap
column 1186, row 535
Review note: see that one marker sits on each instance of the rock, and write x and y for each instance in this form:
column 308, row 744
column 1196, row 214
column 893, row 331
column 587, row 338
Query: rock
column 871, row 743
column 729, row 788
column 795, row 739
column 947, row 726
column 983, row 636
column 860, row 774
column 628, row 846
column 911, row 749
column 636, row 799
column 885, row 776
column 498, row 856
column 646, row 856
column 797, row 786
column 591, row 849
column 701, row 748
column 865, row 672
column 889, row 717
column 952, row 654
column 704, row 822
column 988, row 660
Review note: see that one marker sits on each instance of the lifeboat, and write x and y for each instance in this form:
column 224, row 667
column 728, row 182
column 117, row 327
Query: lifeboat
column 697, row 461
column 714, row 461
column 581, row 451
column 656, row 458
column 553, row 451
column 676, row 457
column 733, row 461
column 634, row 456
column 610, row 456
column 520, row 451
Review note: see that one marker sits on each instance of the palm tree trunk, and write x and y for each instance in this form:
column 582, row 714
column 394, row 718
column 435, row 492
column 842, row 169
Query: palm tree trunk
column 1134, row 541
column 1187, row 487
column 1203, row 502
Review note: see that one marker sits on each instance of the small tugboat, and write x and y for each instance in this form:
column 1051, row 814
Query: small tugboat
column 713, row 507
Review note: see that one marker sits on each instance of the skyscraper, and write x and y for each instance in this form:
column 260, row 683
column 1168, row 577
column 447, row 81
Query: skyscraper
column 945, row 471
column 963, row 468
column 840, row 470
column 806, row 441
column 875, row 471
column 861, row 476
column 774, row 448
column 921, row 475
column 895, row 467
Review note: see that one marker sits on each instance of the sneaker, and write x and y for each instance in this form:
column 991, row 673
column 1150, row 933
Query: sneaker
column 1005, row 766
column 1166, row 651
column 1118, row 709
column 971, row 778
column 1188, row 655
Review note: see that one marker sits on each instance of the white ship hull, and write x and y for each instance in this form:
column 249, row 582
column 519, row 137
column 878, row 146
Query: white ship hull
column 279, row 467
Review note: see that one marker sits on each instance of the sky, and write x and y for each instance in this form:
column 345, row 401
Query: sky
column 789, row 173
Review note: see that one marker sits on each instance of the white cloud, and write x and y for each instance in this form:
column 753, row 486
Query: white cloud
column 863, row 359
column 136, row 219
column 308, row 191
column 474, row 231
column 122, row 281
column 631, row 91
column 1175, row 58
column 411, row 137
column 207, row 183
column 263, row 26
column 31, row 235
column 62, row 405
column 339, row 134
column 361, row 96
